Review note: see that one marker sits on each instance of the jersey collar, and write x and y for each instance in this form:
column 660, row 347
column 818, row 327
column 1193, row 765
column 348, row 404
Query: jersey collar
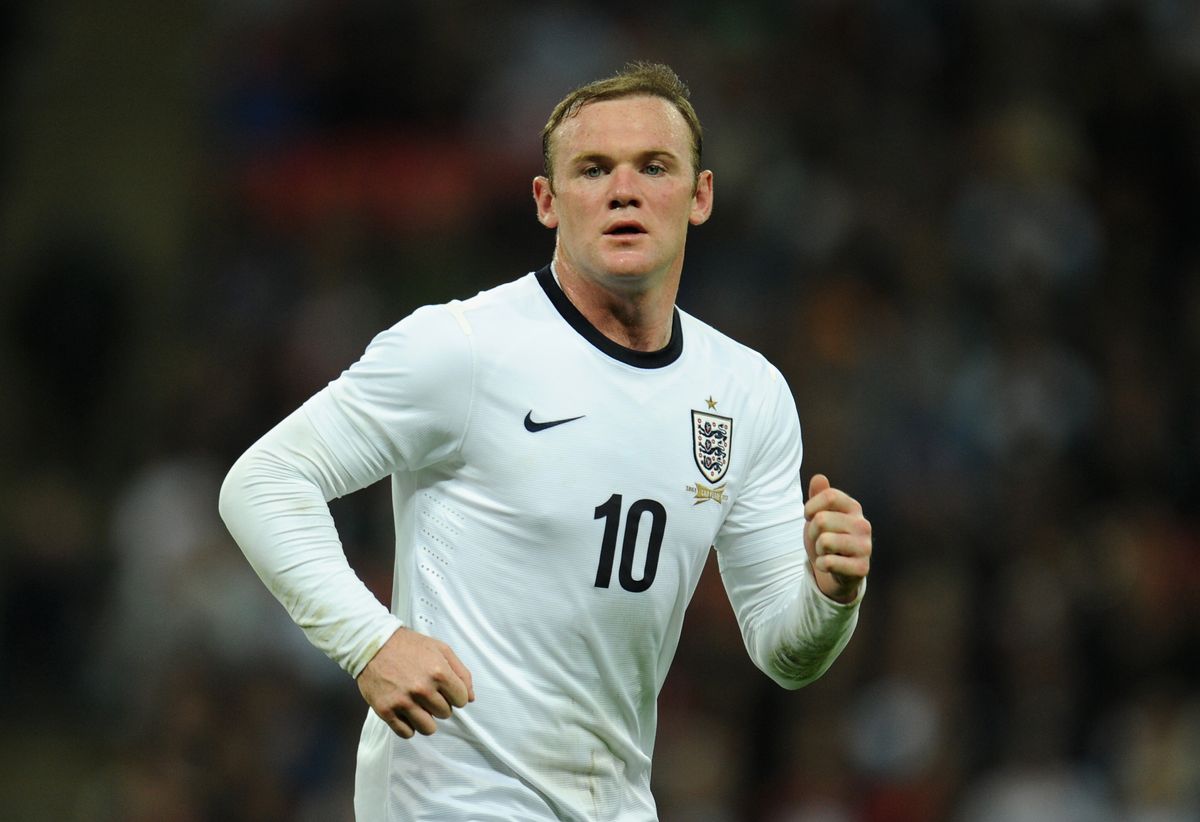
column 639, row 359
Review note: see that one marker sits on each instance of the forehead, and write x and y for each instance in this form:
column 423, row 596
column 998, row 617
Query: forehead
column 633, row 123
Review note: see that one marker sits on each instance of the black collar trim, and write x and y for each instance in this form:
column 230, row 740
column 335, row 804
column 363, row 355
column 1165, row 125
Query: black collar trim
column 640, row 359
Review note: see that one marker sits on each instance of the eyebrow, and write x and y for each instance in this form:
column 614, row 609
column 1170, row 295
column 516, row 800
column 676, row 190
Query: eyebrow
column 597, row 156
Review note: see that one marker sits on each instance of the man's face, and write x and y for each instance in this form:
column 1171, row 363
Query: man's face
column 624, row 192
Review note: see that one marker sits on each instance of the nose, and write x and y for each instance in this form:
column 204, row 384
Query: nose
column 623, row 191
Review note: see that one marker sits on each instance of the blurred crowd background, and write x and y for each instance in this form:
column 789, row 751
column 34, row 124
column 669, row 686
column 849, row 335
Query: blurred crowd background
column 967, row 232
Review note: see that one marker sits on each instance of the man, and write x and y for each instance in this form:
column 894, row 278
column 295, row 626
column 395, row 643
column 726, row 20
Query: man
column 564, row 450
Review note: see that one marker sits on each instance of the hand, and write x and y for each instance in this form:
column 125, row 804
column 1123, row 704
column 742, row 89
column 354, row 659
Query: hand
column 412, row 680
column 838, row 539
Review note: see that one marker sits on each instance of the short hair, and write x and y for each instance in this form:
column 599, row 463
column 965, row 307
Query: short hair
column 636, row 79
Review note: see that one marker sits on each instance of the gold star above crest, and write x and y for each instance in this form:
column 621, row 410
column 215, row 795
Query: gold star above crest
column 711, row 402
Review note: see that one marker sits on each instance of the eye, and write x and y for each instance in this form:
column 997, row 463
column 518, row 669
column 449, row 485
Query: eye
column 593, row 172
column 654, row 170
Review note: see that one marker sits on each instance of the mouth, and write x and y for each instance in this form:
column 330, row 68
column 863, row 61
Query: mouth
column 626, row 228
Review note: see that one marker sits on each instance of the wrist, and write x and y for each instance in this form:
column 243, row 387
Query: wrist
column 841, row 591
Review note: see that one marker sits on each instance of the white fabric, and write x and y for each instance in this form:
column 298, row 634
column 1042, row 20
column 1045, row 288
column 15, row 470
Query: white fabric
column 499, row 536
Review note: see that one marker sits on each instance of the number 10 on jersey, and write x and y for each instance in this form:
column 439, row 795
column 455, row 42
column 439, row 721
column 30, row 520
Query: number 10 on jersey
column 610, row 511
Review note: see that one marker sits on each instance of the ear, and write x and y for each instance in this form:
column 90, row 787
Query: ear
column 543, row 195
column 702, row 199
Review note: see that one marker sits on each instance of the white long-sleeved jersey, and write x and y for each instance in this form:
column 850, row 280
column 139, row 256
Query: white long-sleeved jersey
column 555, row 497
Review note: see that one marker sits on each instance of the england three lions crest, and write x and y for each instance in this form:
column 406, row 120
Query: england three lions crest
column 712, row 440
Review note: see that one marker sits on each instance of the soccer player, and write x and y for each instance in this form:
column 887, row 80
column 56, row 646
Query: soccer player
column 564, row 451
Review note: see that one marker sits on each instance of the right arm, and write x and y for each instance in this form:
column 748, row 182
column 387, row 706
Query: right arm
column 274, row 502
column 356, row 431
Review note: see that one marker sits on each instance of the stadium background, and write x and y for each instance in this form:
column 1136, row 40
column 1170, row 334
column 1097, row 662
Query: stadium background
column 965, row 231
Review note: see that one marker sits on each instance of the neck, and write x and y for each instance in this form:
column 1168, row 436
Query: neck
column 638, row 319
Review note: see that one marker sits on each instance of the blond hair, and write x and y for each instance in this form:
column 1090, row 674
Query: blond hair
column 634, row 80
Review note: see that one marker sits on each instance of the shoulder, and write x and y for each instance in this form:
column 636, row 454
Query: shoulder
column 455, row 322
column 429, row 360
column 712, row 345
column 514, row 298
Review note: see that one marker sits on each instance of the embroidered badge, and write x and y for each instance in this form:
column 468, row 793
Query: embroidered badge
column 704, row 493
column 712, row 439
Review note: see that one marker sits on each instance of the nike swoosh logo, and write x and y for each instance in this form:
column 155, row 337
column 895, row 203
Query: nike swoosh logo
column 530, row 425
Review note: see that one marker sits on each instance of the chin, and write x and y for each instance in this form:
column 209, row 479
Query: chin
column 629, row 266
column 629, row 277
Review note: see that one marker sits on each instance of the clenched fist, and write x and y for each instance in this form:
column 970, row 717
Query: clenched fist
column 838, row 539
column 413, row 680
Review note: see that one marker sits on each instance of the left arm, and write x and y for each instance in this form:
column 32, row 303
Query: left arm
column 797, row 610
column 794, row 572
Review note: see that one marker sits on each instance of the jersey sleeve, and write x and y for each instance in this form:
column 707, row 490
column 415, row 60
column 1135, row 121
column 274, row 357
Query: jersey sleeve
column 768, row 511
column 402, row 406
column 405, row 403
column 791, row 630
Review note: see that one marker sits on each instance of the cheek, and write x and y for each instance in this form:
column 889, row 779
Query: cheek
column 574, row 213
